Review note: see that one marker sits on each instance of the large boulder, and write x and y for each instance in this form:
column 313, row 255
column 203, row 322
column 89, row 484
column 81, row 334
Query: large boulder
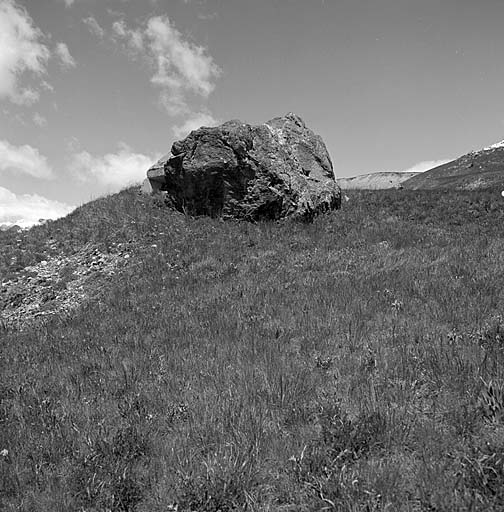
column 271, row 171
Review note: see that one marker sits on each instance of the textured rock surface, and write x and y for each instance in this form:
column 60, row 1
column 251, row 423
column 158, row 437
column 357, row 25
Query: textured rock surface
column 271, row 171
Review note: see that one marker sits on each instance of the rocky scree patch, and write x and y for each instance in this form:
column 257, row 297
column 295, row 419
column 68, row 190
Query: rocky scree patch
column 58, row 284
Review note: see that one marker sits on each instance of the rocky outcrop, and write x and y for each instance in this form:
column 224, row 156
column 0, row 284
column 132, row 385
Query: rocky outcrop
column 275, row 170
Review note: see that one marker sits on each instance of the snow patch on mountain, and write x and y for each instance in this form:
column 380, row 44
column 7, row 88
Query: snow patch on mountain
column 497, row 145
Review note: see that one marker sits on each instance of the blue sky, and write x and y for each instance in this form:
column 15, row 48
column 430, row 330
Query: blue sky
column 94, row 91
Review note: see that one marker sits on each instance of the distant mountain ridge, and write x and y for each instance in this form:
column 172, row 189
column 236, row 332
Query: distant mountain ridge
column 375, row 181
column 478, row 169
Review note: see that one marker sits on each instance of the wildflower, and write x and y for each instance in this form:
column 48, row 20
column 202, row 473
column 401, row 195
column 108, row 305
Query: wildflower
column 397, row 305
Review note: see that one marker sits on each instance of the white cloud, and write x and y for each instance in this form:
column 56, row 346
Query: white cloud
column 63, row 53
column 427, row 164
column 39, row 120
column 113, row 170
column 194, row 122
column 21, row 51
column 47, row 86
column 133, row 38
column 25, row 210
column 24, row 159
column 178, row 59
column 69, row 3
column 26, row 97
column 119, row 27
column 94, row 27
column 180, row 66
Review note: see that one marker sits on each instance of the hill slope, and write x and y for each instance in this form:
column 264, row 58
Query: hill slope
column 475, row 170
column 351, row 364
column 375, row 181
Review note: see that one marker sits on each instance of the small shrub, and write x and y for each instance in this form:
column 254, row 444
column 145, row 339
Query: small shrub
column 223, row 483
column 328, row 467
column 491, row 400
column 481, row 476
column 348, row 440
column 110, row 476
column 491, row 336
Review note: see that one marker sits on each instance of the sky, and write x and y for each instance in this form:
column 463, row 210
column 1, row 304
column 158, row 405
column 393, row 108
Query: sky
column 92, row 92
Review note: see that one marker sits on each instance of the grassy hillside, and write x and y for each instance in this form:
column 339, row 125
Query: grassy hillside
column 352, row 364
column 375, row 181
column 476, row 170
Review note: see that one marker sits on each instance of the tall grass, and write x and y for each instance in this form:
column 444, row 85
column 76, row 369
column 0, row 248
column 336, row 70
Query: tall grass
column 351, row 364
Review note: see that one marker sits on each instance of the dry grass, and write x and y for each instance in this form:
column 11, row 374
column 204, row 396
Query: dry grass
column 351, row 364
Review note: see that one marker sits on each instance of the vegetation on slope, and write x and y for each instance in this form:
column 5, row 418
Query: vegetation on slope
column 476, row 170
column 351, row 364
column 375, row 181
